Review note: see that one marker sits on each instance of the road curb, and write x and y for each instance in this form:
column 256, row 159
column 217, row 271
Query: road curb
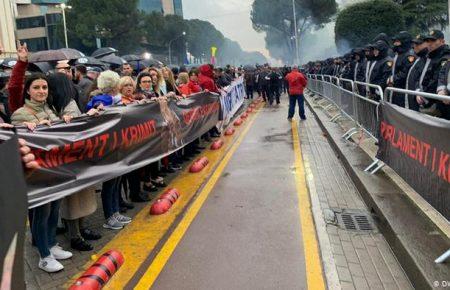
column 413, row 238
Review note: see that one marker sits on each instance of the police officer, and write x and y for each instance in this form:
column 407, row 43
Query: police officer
column 274, row 85
column 420, row 47
column 444, row 90
column 380, row 68
column 403, row 60
column 438, row 56
column 359, row 70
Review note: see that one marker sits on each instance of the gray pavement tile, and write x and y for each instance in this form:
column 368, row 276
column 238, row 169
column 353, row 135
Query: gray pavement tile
column 344, row 274
column 348, row 286
column 356, row 270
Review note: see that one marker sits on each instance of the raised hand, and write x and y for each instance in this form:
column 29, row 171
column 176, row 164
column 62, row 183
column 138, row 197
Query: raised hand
column 22, row 51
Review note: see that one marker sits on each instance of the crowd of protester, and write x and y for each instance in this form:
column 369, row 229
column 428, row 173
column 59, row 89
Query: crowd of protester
column 418, row 64
column 68, row 91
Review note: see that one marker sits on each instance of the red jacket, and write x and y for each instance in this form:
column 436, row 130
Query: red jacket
column 194, row 87
column 206, row 79
column 15, row 86
column 297, row 82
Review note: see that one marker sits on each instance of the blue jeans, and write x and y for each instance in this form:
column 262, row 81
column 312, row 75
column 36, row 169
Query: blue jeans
column 110, row 196
column 293, row 99
column 43, row 229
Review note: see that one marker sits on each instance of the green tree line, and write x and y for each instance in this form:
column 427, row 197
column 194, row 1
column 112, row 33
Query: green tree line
column 358, row 24
column 120, row 24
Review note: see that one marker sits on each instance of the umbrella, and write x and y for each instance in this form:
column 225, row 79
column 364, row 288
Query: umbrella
column 72, row 53
column 113, row 60
column 132, row 57
column 89, row 61
column 8, row 62
column 43, row 67
column 104, row 51
column 249, row 68
column 48, row 55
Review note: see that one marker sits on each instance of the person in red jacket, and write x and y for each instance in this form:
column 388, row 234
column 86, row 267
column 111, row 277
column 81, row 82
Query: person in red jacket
column 206, row 79
column 297, row 82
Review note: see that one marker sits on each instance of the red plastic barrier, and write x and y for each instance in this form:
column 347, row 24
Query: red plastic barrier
column 161, row 206
column 229, row 131
column 216, row 145
column 249, row 110
column 244, row 116
column 100, row 272
column 171, row 195
column 238, row 122
column 199, row 165
column 252, row 106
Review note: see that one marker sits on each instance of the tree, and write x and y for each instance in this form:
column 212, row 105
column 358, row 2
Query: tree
column 421, row 15
column 115, row 22
column 358, row 24
column 275, row 17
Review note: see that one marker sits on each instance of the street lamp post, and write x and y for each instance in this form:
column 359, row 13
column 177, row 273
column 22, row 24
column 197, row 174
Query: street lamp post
column 170, row 48
column 63, row 7
column 296, row 34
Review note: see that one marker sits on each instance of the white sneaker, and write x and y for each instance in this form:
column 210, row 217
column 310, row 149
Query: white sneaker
column 122, row 219
column 50, row 265
column 59, row 253
column 113, row 224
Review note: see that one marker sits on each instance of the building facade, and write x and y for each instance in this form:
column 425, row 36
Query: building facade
column 32, row 21
column 166, row 7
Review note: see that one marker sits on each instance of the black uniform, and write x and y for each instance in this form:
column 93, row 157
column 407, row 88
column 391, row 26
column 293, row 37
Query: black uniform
column 443, row 85
column 380, row 69
column 274, row 82
column 413, row 77
column 403, row 60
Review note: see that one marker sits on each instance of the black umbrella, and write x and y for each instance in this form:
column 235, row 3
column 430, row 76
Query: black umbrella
column 113, row 60
column 43, row 67
column 249, row 68
column 8, row 62
column 89, row 61
column 47, row 55
column 132, row 57
column 72, row 53
column 104, row 51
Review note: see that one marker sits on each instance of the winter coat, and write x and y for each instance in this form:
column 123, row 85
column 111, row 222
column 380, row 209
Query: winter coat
column 297, row 82
column 15, row 86
column 33, row 112
column 206, row 79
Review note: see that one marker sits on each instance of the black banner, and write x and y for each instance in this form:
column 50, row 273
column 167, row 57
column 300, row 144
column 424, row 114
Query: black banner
column 13, row 208
column 90, row 150
column 417, row 147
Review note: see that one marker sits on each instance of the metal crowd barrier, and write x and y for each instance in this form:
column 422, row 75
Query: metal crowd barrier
column 357, row 101
column 353, row 99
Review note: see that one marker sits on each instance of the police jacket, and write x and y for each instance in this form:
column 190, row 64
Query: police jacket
column 403, row 60
column 380, row 70
column 435, row 61
column 359, row 72
column 413, row 77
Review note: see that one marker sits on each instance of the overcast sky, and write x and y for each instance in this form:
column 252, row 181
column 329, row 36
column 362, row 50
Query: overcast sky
column 231, row 17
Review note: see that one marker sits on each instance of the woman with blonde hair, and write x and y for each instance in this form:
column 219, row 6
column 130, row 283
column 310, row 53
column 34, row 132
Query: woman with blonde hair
column 169, row 80
column 127, row 88
column 183, row 87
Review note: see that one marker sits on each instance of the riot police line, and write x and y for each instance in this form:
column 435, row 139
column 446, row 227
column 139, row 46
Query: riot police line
column 414, row 144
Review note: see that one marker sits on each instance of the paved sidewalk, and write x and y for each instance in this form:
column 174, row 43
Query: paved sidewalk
column 362, row 260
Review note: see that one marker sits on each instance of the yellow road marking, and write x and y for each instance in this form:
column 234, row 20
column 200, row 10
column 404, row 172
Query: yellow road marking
column 314, row 271
column 167, row 250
